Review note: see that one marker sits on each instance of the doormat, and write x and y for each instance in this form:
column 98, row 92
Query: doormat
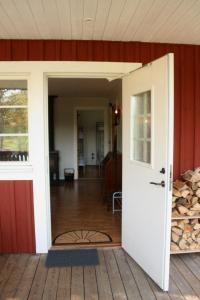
column 82, row 237
column 72, row 258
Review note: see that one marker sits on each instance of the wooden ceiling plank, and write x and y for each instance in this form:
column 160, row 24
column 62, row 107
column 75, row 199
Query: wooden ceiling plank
column 126, row 16
column 27, row 19
column 170, row 8
column 113, row 18
column 52, row 18
column 139, row 14
column 8, row 21
column 64, row 14
column 77, row 19
column 146, row 23
column 176, row 19
column 38, row 12
column 90, row 10
column 103, row 7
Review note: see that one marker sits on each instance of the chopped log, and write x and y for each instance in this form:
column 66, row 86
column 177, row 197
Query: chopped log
column 194, row 200
column 183, row 210
column 174, row 223
column 188, row 228
column 196, row 226
column 177, row 230
column 181, row 224
column 174, row 247
column 197, row 193
column 176, row 193
column 183, row 244
column 175, row 237
column 175, row 213
column 196, row 207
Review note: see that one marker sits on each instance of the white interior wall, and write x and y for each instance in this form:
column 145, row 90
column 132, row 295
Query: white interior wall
column 64, row 127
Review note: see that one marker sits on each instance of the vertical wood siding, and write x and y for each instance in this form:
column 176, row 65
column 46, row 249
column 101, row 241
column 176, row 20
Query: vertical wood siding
column 16, row 217
column 187, row 79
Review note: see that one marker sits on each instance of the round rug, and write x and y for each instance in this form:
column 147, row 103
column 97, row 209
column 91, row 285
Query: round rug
column 82, row 237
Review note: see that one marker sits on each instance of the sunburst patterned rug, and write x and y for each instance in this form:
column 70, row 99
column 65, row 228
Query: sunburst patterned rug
column 82, row 237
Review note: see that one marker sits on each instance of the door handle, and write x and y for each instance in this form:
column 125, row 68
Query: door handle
column 162, row 183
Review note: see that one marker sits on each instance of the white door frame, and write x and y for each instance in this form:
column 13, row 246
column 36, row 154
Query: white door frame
column 106, row 133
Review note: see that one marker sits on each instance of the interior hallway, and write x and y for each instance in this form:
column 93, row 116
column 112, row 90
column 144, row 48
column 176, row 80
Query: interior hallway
column 79, row 206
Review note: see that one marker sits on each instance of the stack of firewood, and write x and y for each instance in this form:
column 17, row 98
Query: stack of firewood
column 186, row 195
column 186, row 202
column 185, row 235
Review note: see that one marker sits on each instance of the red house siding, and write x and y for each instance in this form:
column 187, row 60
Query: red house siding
column 187, row 79
column 16, row 217
column 16, row 221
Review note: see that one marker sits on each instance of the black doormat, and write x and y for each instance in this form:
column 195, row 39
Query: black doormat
column 72, row 258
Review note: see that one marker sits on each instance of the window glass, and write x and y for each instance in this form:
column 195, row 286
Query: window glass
column 141, row 127
column 13, row 120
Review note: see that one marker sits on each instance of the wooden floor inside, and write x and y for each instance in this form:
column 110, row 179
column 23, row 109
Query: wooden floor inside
column 79, row 206
column 116, row 277
column 90, row 172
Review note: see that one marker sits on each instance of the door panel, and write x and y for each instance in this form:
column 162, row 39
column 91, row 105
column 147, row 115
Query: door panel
column 147, row 148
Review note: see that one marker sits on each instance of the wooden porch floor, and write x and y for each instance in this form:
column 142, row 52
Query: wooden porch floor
column 117, row 277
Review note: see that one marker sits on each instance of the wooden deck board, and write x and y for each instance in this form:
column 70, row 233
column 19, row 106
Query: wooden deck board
column 64, row 284
column 12, row 283
column 141, row 280
column 126, row 275
column 117, row 277
column 77, row 284
column 103, row 283
column 27, row 278
column 191, row 279
column 185, row 288
column 90, row 283
column 37, row 287
column 116, row 283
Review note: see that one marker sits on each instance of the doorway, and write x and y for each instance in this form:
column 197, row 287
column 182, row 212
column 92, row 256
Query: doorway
column 90, row 143
column 82, row 125
column 157, row 78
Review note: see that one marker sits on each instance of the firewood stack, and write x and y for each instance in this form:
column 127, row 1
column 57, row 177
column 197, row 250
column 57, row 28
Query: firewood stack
column 186, row 203
column 185, row 235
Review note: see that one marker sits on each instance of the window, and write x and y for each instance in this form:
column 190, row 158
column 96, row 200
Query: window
column 141, row 127
column 13, row 120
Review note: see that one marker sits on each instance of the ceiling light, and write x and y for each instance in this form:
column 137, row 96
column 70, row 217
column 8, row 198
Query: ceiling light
column 87, row 20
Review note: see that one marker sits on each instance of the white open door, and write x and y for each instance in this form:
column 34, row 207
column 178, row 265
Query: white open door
column 147, row 167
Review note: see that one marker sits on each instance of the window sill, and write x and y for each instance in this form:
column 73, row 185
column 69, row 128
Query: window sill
column 20, row 171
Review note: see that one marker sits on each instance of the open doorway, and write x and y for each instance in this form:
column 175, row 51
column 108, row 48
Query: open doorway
column 90, row 143
column 85, row 143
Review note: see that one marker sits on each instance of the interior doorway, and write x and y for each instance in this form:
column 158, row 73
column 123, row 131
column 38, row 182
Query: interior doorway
column 85, row 143
column 90, row 143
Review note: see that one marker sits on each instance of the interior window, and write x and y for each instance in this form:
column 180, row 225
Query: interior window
column 13, row 120
column 141, row 127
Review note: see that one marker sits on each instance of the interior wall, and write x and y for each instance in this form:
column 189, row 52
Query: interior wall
column 64, row 124
column 87, row 120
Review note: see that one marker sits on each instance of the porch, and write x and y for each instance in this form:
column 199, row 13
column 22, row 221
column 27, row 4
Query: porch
column 116, row 277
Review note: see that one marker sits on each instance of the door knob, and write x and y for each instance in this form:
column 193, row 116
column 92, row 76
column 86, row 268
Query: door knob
column 162, row 183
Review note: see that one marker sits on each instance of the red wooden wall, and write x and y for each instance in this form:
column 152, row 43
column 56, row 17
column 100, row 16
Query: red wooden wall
column 187, row 79
column 16, row 217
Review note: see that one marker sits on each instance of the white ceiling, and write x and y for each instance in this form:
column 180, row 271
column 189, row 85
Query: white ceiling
column 83, row 87
column 172, row 21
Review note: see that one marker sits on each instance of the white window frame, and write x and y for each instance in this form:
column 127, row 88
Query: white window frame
column 6, row 165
